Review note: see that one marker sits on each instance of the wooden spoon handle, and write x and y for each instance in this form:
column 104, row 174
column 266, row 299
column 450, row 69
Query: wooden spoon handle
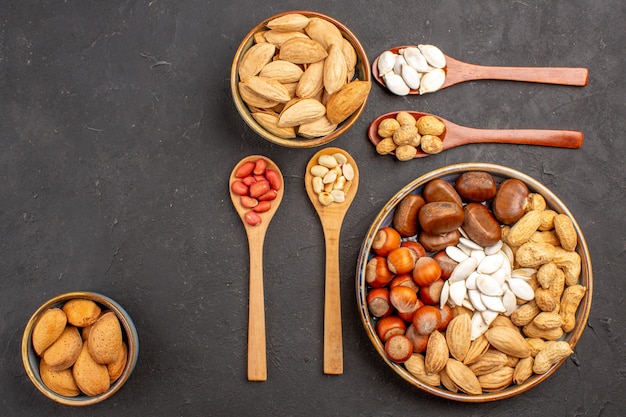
column 333, row 342
column 457, row 135
column 460, row 71
column 257, row 365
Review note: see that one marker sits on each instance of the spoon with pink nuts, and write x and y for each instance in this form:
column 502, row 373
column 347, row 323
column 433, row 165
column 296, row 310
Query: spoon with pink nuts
column 256, row 189
column 331, row 181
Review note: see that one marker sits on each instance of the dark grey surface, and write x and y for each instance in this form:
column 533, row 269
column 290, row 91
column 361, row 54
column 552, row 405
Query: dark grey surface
column 118, row 135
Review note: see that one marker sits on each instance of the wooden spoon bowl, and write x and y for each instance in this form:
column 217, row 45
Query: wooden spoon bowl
column 331, row 217
column 459, row 71
column 456, row 135
column 257, row 360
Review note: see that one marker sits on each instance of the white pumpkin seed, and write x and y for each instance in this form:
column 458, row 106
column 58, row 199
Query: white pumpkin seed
column 509, row 301
column 445, row 292
column 500, row 276
column 470, row 282
column 457, row 292
column 463, row 270
column 469, row 243
column 493, row 249
column 521, row 289
column 478, row 254
column 386, row 61
column 432, row 81
column 433, row 55
column 489, row 316
column 475, row 299
column 490, row 264
column 493, row 303
column 455, row 254
column 416, row 59
column 488, row 285
column 478, row 325
column 397, row 66
column 410, row 76
column 396, row 84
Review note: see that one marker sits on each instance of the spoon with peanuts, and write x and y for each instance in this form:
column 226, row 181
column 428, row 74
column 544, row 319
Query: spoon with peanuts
column 331, row 207
column 452, row 71
column 256, row 190
column 455, row 135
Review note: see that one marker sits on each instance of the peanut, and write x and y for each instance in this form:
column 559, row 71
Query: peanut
column 531, row 330
column 570, row 262
column 564, row 228
column 532, row 254
column 570, row 301
column 525, row 313
column 523, row 229
column 547, row 321
column 546, row 301
column 552, row 354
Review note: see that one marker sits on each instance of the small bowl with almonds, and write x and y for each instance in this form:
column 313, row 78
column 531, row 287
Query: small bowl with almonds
column 79, row 348
column 300, row 79
column 474, row 282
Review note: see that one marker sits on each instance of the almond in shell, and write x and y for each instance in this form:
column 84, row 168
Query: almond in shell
column 91, row 377
column 301, row 111
column 116, row 368
column 48, row 329
column 105, row 339
column 463, row 377
column 347, row 100
column 255, row 58
column 288, row 22
column 458, row 336
column 62, row 382
column 63, row 352
column 270, row 122
column 302, row 51
column 81, row 312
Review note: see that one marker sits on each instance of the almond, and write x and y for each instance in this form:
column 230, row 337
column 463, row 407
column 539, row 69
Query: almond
column 437, row 353
column 255, row 58
column 323, row 32
column 288, row 22
column 477, row 348
column 347, row 100
column 270, row 122
column 509, row 341
column 490, row 361
column 251, row 98
column 523, row 370
column 48, row 329
column 463, row 377
column 105, row 338
column 62, row 382
column 497, row 380
column 335, row 70
column 282, row 71
column 63, row 352
column 416, row 365
column 302, row 111
column 278, row 38
column 81, row 312
column 302, row 51
column 316, row 128
column 312, row 80
column 458, row 336
column 268, row 88
column 91, row 377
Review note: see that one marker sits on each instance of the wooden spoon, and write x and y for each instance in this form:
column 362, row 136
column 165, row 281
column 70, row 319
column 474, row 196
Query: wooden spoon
column 331, row 217
column 458, row 72
column 257, row 361
column 456, row 135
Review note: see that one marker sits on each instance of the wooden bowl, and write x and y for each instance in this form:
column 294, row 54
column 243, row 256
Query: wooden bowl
column 362, row 72
column 31, row 360
column 385, row 217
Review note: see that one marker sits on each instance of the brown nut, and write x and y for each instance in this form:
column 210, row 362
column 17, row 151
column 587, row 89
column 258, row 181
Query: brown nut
column 441, row 217
column 510, row 201
column 440, row 190
column 435, row 243
column 480, row 224
column 405, row 218
column 476, row 186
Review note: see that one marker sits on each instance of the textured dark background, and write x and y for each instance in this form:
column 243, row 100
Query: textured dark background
column 117, row 135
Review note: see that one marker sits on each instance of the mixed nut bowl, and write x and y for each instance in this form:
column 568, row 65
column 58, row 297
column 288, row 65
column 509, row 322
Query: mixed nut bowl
column 474, row 282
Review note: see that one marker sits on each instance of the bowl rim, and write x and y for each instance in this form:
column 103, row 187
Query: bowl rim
column 29, row 355
column 552, row 200
column 298, row 142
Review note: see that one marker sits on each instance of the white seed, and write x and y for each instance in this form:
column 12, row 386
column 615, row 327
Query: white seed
column 445, row 292
column 468, row 304
column 386, row 61
column 492, row 303
column 348, row 171
column 325, row 198
column 469, row 244
column 489, row 316
column 318, row 184
column 457, row 292
column 478, row 325
column 523, row 273
column 488, row 286
column 410, row 76
column 493, row 249
column 463, row 270
column 432, row 81
column 521, row 289
column 319, row 170
column 397, row 66
column 509, row 301
column 490, row 264
column 396, row 84
column 433, row 55
column 463, row 233
column 455, row 253
column 478, row 254
column 328, row 161
column 500, row 276
column 506, row 249
column 470, row 281
column 415, row 59
column 330, row 177
column 338, row 196
column 475, row 299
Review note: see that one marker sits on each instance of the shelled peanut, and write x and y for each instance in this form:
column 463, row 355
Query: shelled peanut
column 257, row 186
column 331, row 178
column 298, row 77
column 404, row 134
column 491, row 340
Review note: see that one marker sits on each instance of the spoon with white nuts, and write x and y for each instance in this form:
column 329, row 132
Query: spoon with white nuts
column 425, row 69
column 331, row 181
